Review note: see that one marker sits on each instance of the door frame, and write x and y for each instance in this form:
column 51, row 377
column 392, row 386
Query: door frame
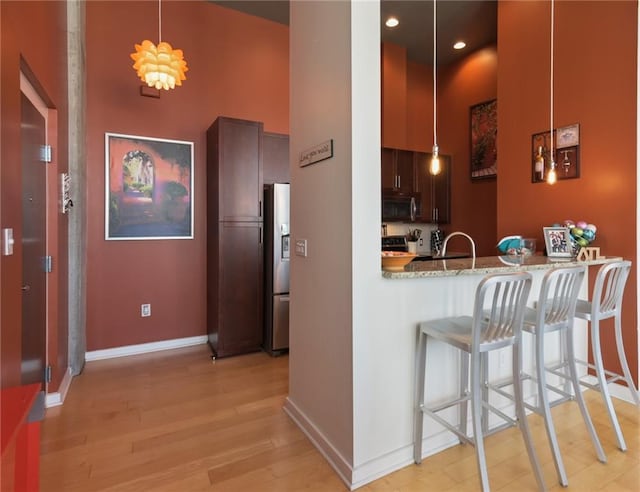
column 28, row 86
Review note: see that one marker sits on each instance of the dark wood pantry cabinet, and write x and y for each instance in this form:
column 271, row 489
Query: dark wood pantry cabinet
column 234, row 236
column 234, row 170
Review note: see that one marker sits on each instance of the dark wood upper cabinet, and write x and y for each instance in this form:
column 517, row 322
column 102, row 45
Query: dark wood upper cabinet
column 234, row 154
column 435, row 191
column 398, row 170
column 275, row 152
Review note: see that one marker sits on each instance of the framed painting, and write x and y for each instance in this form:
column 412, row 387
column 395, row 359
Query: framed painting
column 149, row 188
column 566, row 153
column 557, row 241
column 484, row 132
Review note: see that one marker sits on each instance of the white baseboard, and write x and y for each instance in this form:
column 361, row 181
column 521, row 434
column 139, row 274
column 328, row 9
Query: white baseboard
column 144, row 348
column 57, row 398
column 616, row 390
column 373, row 469
column 331, row 454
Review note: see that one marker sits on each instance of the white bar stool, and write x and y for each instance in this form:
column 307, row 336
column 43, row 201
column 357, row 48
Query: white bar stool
column 496, row 323
column 554, row 312
column 606, row 302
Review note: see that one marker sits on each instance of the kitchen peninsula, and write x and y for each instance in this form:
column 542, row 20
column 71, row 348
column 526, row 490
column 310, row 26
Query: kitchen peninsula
column 443, row 288
column 486, row 265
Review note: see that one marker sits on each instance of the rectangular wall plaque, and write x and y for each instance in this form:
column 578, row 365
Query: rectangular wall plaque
column 316, row 154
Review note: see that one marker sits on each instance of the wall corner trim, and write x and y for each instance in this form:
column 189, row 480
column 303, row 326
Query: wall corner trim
column 144, row 348
column 57, row 398
column 320, row 441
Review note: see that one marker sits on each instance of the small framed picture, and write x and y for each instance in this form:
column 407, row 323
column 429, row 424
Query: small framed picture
column 558, row 242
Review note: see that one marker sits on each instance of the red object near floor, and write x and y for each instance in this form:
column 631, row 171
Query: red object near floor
column 20, row 440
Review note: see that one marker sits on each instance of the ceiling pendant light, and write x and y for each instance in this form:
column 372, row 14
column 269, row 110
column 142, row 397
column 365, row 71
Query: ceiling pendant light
column 159, row 66
column 552, row 176
column 434, row 167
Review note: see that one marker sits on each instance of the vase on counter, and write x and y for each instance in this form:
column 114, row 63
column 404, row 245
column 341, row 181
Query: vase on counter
column 413, row 246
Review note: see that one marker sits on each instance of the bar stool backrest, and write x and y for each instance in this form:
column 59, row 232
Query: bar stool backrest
column 499, row 308
column 609, row 289
column 558, row 296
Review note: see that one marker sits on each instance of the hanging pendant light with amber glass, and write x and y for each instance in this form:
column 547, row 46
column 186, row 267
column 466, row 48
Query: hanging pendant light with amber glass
column 159, row 66
column 434, row 167
column 552, row 175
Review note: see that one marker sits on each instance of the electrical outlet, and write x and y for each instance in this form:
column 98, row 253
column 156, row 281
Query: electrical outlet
column 145, row 310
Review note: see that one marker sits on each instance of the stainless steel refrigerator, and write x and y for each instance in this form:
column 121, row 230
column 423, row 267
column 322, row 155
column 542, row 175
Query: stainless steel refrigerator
column 277, row 255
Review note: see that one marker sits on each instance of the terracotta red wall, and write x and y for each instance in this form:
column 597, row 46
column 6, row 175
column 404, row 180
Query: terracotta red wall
column 595, row 86
column 473, row 202
column 238, row 67
column 45, row 56
column 468, row 82
column 394, row 96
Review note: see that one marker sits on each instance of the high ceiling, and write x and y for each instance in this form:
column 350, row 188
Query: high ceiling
column 474, row 21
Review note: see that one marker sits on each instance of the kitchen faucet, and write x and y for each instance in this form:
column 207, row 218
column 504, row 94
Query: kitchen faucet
column 458, row 233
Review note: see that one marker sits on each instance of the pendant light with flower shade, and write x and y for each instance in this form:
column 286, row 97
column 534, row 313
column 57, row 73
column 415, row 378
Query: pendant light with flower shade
column 434, row 167
column 551, row 175
column 159, row 66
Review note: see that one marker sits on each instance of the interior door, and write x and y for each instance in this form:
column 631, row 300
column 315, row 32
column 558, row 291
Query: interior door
column 32, row 141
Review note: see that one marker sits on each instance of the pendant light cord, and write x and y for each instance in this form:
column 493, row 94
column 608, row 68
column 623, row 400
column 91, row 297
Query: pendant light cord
column 435, row 133
column 159, row 21
column 551, row 87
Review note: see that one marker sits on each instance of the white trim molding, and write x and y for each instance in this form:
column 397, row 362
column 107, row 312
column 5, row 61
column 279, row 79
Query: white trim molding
column 322, row 444
column 616, row 390
column 144, row 348
column 57, row 398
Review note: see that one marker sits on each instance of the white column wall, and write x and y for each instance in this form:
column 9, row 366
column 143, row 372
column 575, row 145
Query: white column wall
column 320, row 360
column 353, row 333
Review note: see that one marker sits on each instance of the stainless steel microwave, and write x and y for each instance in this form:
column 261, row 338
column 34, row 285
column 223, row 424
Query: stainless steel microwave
column 400, row 207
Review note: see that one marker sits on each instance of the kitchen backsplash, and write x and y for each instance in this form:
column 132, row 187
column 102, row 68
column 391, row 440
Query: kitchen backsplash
column 402, row 228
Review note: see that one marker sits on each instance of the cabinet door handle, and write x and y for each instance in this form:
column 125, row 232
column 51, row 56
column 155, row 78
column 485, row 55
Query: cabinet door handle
column 259, row 208
column 399, row 182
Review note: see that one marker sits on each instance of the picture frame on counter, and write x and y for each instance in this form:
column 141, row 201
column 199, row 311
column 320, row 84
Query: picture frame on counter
column 149, row 188
column 483, row 120
column 557, row 242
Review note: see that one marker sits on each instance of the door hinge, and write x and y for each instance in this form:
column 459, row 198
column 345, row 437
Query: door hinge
column 47, row 264
column 45, row 153
column 47, row 374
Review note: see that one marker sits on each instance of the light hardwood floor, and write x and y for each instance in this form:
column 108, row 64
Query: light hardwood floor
column 174, row 421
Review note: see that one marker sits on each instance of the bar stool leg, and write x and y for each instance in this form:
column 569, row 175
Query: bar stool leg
column 463, row 393
column 418, row 419
column 484, row 368
column 545, row 409
column 476, row 417
column 573, row 372
column 623, row 361
column 522, row 416
column 602, row 380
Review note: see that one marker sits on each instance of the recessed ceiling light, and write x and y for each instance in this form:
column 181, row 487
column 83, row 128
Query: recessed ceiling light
column 392, row 22
column 459, row 45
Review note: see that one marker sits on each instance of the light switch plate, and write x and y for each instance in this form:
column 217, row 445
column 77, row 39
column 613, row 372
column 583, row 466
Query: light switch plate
column 301, row 247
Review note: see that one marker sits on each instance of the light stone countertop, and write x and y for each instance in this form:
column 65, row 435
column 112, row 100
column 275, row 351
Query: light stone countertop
column 485, row 265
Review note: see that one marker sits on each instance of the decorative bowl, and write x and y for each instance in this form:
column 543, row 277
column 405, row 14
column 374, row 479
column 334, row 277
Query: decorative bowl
column 396, row 260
